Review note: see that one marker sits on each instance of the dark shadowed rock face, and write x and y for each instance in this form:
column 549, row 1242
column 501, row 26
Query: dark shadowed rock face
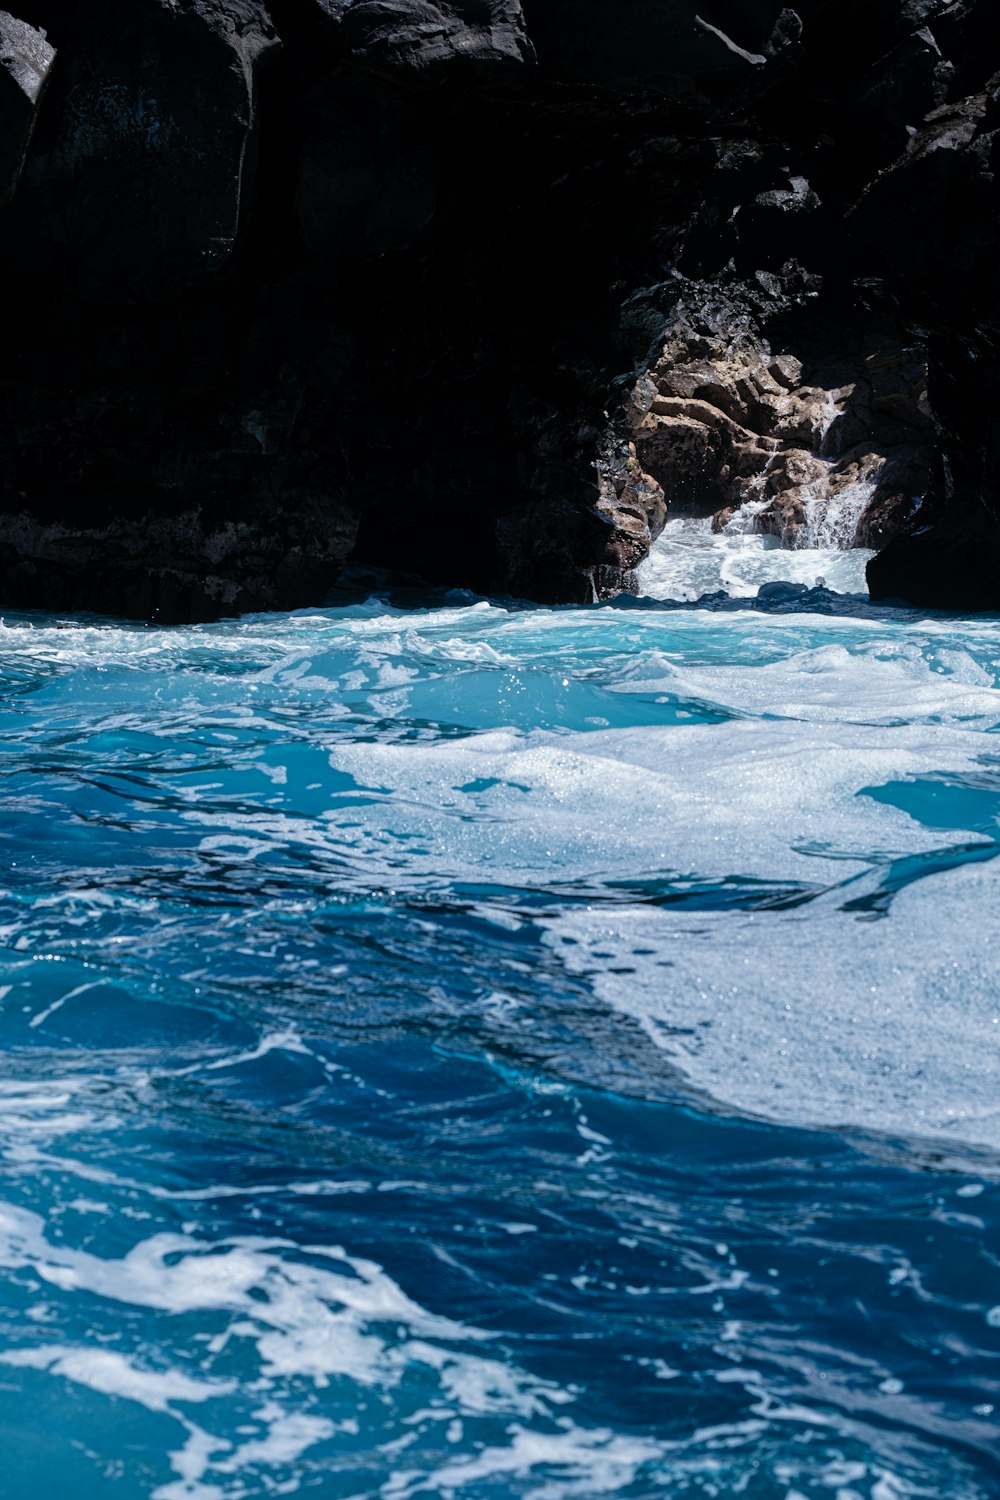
column 944, row 560
column 142, row 166
column 366, row 184
column 477, row 288
column 176, row 568
column 470, row 38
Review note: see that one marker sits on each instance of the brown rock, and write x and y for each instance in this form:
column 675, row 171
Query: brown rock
column 720, row 420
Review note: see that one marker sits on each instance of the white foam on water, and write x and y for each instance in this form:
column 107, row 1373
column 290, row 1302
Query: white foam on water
column 289, row 1435
column 813, row 1015
column 816, row 1015
column 689, row 560
column 591, row 1463
column 742, row 797
column 287, row 643
column 889, row 682
column 307, row 1320
column 826, row 709
column 287, row 1041
column 308, row 1325
column 484, row 1387
column 33, row 1109
column 111, row 1374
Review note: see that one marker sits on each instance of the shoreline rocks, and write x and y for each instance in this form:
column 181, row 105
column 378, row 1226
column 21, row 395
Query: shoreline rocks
column 799, row 440
column 456, row 287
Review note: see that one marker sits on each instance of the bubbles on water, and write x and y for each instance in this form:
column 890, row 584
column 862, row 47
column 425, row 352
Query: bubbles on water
column 299, row 1187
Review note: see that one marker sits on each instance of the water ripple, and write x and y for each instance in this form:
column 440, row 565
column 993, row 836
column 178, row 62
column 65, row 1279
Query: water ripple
column 475, row 1051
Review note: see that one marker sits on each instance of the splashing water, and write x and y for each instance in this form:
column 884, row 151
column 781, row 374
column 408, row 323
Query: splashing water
column 479, row 1052
column 824, row 425
column 691, row 561
column 832, row 519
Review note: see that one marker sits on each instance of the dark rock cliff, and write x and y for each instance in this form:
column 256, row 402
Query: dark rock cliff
column 475, row 288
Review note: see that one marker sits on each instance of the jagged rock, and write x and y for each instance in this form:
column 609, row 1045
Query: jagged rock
column 543, row 546
column 634, row 504
column 944, row 179
column 786, row 33
column 26, row 59
column 397, row 269
column 778, row 223
column 177, row 568
column 333, row 11
column 827, row 510
column 419, row 38
column 723, row 422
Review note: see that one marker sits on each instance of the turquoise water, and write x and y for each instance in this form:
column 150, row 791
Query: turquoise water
column 458, row 1050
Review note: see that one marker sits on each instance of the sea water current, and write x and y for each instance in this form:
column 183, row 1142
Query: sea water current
column 458, row 1049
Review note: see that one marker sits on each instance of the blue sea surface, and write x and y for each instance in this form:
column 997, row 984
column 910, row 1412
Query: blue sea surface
column 472, row 1051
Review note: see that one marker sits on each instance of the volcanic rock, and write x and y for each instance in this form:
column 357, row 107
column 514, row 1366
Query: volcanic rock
column 142, row 169
column 26, row 59
column 947, row 559
column 803, row 439
column 417, row 38
column 466, row 288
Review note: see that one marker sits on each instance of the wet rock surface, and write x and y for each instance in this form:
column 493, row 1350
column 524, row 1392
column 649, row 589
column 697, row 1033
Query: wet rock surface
column 459, row 287
column 799, row 445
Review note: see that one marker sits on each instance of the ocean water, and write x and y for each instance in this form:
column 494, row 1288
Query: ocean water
column 453, row 1049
